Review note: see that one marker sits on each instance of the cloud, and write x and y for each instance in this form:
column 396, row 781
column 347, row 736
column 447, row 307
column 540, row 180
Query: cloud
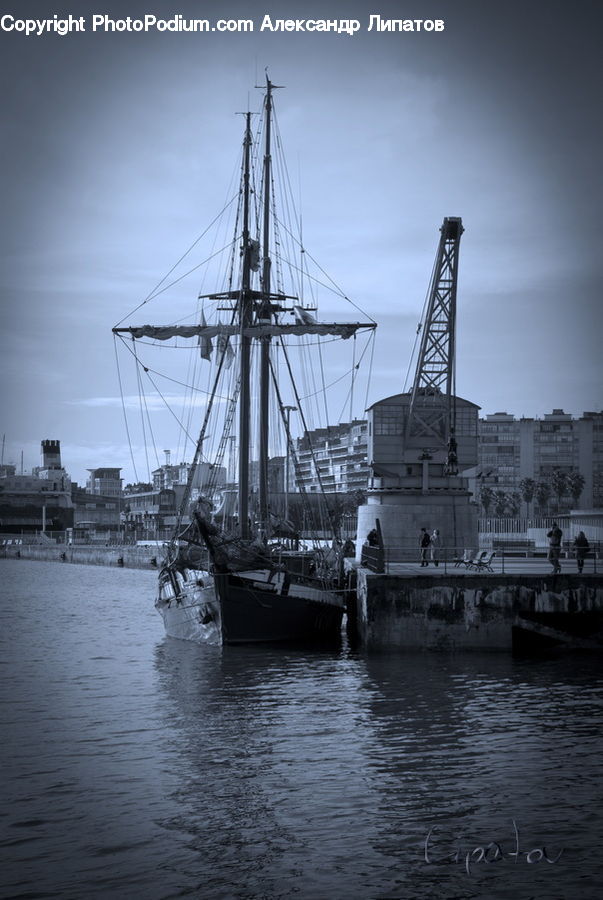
column 152, row 402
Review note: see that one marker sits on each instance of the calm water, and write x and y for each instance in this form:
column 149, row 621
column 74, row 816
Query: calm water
column 141, row 766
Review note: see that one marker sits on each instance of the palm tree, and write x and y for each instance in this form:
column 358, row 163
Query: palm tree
column 514, row 503
column 542, row 492
column 500, row 503
column 559, row 485
column 575, row 486
column 486, row 496
column 527, row 486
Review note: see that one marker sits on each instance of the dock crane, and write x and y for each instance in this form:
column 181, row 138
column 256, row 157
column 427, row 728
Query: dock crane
column 416, row 463
column 431, row 413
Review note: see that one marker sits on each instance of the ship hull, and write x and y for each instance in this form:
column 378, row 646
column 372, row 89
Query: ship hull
column 248, row 608
column 193, row 613
column 254, row 613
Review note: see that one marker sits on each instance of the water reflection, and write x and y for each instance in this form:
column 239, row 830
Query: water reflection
column 317, row 773
column 467, row 744
column 135, row 765
column 272, row 743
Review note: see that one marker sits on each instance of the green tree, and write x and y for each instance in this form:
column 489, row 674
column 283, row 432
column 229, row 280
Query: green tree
column 486, row 497
column 559, row 485
column 141, row 487
column 500, row 503
column 575, row 486
column 542, row 492
column 353, row 500
column 527, row 486
column 514, row 503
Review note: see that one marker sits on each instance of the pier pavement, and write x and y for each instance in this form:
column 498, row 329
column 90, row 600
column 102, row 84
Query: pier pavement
column 508, row 565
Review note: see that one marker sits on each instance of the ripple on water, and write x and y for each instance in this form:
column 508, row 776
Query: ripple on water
column 136, row 765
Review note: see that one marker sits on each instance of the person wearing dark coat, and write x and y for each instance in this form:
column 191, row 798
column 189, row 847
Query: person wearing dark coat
column 554, row 536
column 424, row 542
column 372, row 538
column 581, row 546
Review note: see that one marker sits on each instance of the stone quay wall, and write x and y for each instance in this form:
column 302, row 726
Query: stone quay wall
column 410, row 612
column 131, row 557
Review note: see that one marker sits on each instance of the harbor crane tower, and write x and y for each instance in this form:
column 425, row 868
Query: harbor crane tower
column 419, row 441
column 431, row 415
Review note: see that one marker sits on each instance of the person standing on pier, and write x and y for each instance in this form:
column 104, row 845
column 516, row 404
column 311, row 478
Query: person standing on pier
column 435, row 546
column 424, row 542
column 581, row 547
column 554, row 536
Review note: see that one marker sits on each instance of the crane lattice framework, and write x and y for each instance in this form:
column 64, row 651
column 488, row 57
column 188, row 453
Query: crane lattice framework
column 431, row 411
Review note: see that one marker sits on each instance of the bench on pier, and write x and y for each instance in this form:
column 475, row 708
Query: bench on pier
column 514, row 548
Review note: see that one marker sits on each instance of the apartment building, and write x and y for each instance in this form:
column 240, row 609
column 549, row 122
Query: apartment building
column 511, row 449
column 334, row 457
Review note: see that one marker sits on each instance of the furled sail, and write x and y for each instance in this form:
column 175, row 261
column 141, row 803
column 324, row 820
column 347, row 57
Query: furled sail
column 165, row 332
column 205, row 345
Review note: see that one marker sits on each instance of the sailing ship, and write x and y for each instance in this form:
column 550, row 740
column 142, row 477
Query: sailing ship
column 246, row 574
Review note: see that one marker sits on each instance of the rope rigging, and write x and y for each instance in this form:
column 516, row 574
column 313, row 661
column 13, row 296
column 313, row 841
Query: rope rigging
column 215, row 381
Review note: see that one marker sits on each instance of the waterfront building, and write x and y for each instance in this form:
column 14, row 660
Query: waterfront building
column 95, row 510
column 40, row 501
column 499, row 451
column 512, row 449
column 168, row 476
column 104, row 481
column 152, row 512
column 335, row 457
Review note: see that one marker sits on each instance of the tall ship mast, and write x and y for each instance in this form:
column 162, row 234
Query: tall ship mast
column 246, row 573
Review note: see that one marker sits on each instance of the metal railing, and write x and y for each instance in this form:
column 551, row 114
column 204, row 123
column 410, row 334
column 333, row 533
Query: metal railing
column 507, row 558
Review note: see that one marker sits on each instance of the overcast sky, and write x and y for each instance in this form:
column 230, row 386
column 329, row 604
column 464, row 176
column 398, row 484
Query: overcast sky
column 118, row 149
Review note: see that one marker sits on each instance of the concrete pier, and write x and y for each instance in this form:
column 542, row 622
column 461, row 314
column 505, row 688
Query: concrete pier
column 479, row 611
column 130, row 557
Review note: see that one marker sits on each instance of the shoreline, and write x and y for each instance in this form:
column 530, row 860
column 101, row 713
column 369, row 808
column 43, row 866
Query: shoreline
column 127, row 557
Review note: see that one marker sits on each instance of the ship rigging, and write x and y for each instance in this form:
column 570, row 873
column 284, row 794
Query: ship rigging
column 251, row 322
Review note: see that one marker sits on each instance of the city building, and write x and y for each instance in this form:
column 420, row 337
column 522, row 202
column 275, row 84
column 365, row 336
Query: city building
column 94, row 510
column 37, row 502
column 512, row 449
column 333, row 458
column 152, row 513
column 104, row 481
column 169, row 476
column 499, row 452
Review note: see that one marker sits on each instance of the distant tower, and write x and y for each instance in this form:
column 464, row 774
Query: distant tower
column 51, row 455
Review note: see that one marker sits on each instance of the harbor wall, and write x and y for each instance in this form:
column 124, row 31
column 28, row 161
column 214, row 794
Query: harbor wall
column 485, row 613
column 131, row 557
